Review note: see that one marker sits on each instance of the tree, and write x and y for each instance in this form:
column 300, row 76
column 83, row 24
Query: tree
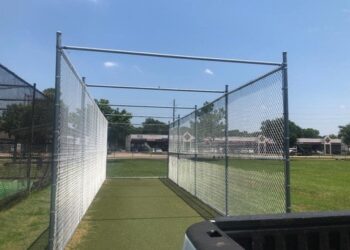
column 310, row 133
column 211, row 123
column 274, row 129
column 152, row 126
column 344, row 134
column 17, row 121
column 333, row 136
column 119, row 123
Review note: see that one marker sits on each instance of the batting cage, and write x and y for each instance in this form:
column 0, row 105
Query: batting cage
column 231, row 154
column 25, row 137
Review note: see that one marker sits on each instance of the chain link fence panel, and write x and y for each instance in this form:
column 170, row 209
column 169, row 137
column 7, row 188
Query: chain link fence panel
column 81, row 154
column 230, row 153
column 255, row 148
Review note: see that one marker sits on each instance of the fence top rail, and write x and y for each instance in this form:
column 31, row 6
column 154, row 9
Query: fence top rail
column 152, row 88
column 138, row 124
column 139, row 116
column 146, row 106
column 172, row 56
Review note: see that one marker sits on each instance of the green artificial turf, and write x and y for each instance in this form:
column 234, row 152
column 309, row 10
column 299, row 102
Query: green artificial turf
column 137, row 168
column 24, row 222
column 10, row 187
column 134, row 214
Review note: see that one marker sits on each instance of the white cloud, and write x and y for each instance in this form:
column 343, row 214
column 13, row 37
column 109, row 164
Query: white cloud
column 110, row 64
column 208, row 72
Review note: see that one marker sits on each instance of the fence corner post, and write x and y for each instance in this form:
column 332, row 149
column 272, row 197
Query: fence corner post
column 286, row 132
column 168, row 153
column 195, row 149
column 55, row 148
column 178, row 149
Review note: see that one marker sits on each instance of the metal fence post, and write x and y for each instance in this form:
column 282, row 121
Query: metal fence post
column 178, row 149
column 29, row 169
column 55, row 146
column 168, row 156
column 174, row 109
column 286, row 132
column 226, row 150
column 195, row 149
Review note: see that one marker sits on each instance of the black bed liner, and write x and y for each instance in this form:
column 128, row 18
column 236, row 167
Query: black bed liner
column 304, row 231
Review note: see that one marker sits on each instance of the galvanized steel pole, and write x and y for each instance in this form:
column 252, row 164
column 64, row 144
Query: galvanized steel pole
column 178, row 149
column 152, row 88
column 195, row 149
column 143, row 106
column 226, row 150
column 29, row 170
column 174, row 110
column 286, row 132
column 168, row 151
column 55, row 146
column 151, row 54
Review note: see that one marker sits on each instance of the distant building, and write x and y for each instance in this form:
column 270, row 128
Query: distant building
column 326, row 146
column 246, row 145
column 257, row 145
column 146, row 143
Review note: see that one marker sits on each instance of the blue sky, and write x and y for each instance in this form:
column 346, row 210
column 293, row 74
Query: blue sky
column 316, row 36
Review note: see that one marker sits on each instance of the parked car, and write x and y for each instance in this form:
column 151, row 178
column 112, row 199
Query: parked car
column 157, row 150
column 293, row 151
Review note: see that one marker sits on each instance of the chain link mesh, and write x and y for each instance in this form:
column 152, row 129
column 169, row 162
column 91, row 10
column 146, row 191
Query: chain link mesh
column 255, row 148
column 254, row 182
column 210, row 170
column 173, row 150
column 187, row 150
column 81, row 156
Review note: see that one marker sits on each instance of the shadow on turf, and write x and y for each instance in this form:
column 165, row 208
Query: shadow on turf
column 142, row 218
column 201, row 208
column 41, row 243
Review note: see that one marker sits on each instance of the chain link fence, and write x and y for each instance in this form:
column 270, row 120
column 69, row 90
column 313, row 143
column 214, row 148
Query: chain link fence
column 25, row 136
column 232, row 153
column 80, row 153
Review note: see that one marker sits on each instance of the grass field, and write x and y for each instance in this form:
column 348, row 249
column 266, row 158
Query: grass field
column 137, row 167
column 319, row 185
column 316, row 184
column 21, row 224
